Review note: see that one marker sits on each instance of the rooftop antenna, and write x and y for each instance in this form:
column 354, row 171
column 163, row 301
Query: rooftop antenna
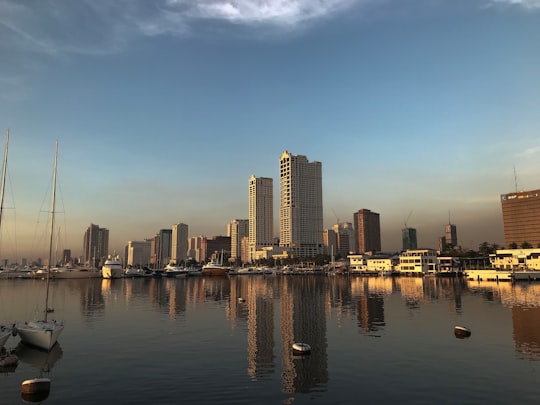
column 515, row 179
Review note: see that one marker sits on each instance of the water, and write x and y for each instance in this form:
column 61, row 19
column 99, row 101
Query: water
column 169, row 341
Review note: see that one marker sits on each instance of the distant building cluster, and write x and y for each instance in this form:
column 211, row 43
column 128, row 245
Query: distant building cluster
column 301, row 232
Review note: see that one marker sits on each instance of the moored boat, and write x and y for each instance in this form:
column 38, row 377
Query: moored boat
column 112, row 268
column 43, row 333
column 174, row 271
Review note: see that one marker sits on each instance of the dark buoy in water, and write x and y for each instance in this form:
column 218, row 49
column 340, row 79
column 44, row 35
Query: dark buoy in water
column 462, row 332
column 35, row 389
column 301, row 348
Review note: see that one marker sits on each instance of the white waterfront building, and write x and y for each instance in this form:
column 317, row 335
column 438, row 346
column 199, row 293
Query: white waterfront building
column 418, row 261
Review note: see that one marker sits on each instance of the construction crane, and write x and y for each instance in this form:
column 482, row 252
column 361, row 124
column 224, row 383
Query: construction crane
column 407, row 220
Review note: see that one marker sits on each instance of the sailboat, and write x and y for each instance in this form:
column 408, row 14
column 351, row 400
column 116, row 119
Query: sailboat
column 5, row 330
column 44, row 333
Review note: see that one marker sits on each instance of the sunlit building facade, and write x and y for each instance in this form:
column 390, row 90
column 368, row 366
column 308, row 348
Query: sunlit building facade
column 521, row 218
column 368, row 231
column 179, row 243
column 300, row 209
column 261, row 214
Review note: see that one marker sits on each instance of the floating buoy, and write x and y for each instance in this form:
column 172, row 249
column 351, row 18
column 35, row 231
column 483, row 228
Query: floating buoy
column 301, row 348
column 42, row 396
column 36, row 386
column 462, row 332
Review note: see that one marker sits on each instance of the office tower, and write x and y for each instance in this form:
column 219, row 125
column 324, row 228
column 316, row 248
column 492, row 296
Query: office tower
column 300, row 209
column 368, row 231
column 261, row 213
column 95, row 245
column 450, row 236
column 164, row 247
column 521, row 218
column 179, row 243
column 138, row 253
column 195, row 248
column 330, row 242
column 238, row 229
column 408, row 237
column 345, row 238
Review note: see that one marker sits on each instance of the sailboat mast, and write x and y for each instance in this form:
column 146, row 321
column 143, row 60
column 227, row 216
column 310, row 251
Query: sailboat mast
column 53, row 208
column 4, row 179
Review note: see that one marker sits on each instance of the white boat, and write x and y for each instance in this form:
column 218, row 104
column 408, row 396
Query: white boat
column 44, row 333
column 112, row 267
column 5, row 330
column 173, row 271
column 74, row 273
column 215, row 268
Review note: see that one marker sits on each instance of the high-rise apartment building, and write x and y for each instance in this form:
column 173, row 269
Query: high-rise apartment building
column 179, row 243
column 95, row 245
column 368, row 231
column 238, row 229
column 521, row 218
column 408, row 237
column 450, row 235
column 300, row 208
column 261, row 213
column 196, row 248
column 164, row 247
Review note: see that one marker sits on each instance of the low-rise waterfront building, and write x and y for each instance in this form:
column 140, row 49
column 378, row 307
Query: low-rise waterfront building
column 418, row 261
column 516, row 259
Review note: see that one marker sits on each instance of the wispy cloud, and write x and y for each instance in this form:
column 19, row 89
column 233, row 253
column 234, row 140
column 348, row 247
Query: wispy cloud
column 104, row 26
column 527, row 4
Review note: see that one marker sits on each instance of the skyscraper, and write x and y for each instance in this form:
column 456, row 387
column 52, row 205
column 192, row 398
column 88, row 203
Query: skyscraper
column 521, row 217
column 345, row 238
column 408, row 237
column 164, row 247
column 95, row 245
column 261, row 213
column 450, row 235
column 238, row 229
column 179, row 243
column 300, row 209
column 368, row 231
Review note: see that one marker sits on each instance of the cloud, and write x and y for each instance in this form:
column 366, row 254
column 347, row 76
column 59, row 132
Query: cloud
column 104, row 26
column 278, row 12
column 527, row 4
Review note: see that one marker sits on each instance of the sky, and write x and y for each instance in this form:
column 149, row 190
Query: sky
column 424, row 111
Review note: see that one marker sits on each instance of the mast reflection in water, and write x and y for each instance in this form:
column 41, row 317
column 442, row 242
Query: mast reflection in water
column 229, row 340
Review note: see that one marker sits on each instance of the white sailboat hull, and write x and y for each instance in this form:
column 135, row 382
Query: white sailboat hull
column 42, row 334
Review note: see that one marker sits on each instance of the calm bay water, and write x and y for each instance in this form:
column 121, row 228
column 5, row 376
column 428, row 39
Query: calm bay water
column 168, row 341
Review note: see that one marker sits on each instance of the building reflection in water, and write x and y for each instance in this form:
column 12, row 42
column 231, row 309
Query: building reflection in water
column 303, row 319
column 524, row 301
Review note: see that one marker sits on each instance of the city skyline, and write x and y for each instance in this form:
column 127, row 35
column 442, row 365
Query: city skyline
column 163, row 111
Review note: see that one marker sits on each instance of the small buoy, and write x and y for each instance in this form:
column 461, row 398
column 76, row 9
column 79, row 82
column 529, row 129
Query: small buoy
column 462, row 332
column 301, row 348
column 241, row 299
column 42, row 396
column 36, row 386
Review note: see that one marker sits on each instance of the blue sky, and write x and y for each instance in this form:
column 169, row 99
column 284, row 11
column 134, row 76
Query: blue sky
column 164, row 109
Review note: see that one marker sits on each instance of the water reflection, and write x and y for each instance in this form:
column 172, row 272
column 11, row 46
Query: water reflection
column 267, row 314
column 41, row 360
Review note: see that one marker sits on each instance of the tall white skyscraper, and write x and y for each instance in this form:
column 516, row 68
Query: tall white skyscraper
column 179, row 243
column 261, row 213
column 300, row 208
